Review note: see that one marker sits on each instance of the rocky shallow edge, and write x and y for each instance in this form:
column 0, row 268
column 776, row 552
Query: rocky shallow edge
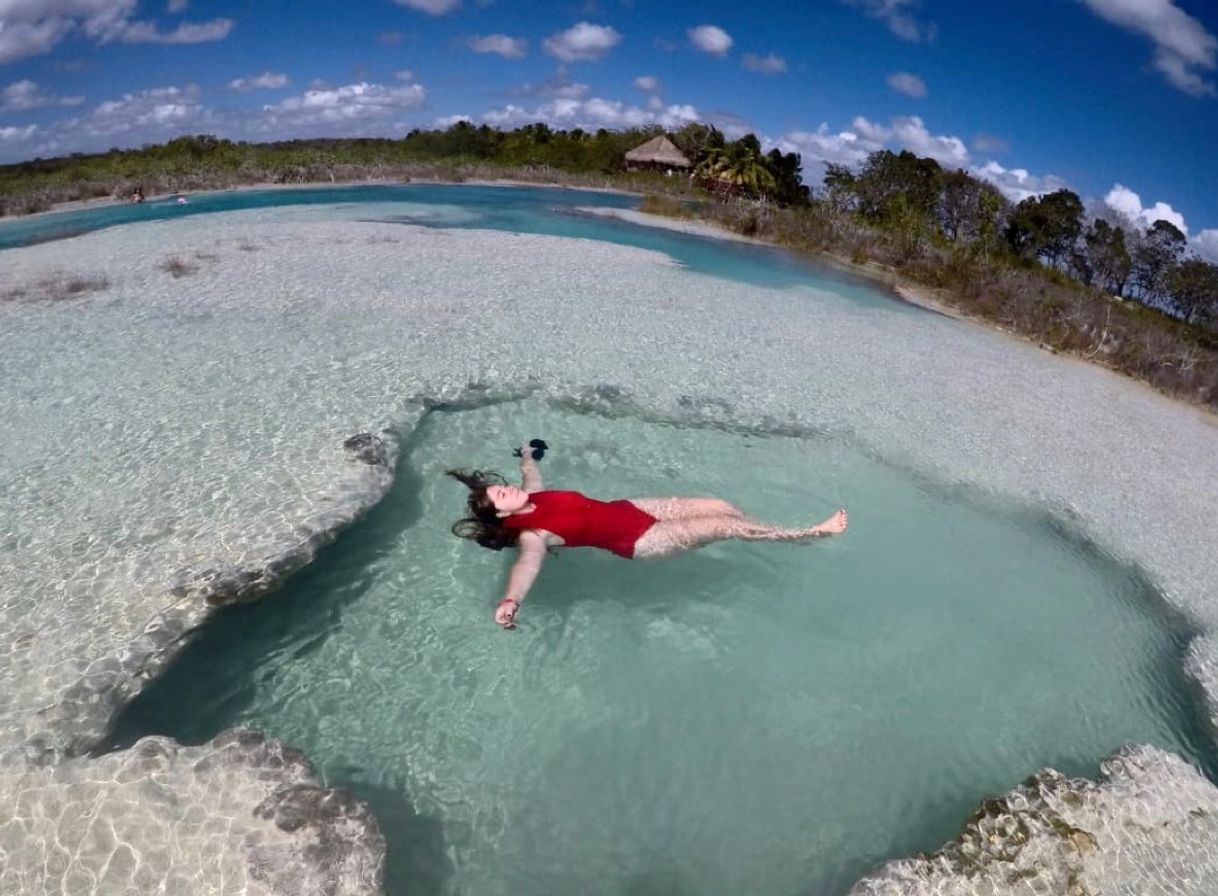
column 242, row 813
column 1148, row 825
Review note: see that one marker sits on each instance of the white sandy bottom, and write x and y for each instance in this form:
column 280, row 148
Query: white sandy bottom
column 165, row 426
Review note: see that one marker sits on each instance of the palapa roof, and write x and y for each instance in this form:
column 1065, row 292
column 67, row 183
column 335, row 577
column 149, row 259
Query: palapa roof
column 659, row 150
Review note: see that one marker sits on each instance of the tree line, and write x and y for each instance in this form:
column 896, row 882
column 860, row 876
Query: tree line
column 917, row 198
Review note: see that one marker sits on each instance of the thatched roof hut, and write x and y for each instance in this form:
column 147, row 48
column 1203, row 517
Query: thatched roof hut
column 657, row 152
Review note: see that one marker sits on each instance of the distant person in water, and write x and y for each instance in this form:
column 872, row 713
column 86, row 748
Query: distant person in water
column 531, row 520
column 137, row 195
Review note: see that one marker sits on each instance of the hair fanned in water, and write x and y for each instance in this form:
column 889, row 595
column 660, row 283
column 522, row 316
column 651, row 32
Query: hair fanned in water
column 483, row 524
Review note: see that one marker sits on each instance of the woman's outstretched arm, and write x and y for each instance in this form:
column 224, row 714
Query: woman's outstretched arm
column 532, row 553
column 530, row 476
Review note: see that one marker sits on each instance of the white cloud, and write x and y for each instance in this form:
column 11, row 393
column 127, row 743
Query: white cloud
column 22, row 95
column 449, row 120
column 186, row 33
column 404, row 74
column 710, row 39
column 431, row 7
column 338, row 105
column 910, row 133
column 507, row 47
column 176, row 6
column 593, row 113
column 582, row 41
column 767, row 65
column 842, row 148
column 31, row 27
column 896, row 15
column 157, row 112
column 1182, row 45
column 17, row 135
column 1205, row 244
column 264, row 81
column 1124, row 200
column 1017, row 184
column 910, row 85
column 647, row 83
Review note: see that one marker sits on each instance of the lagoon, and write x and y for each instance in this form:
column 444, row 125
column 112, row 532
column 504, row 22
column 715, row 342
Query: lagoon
column 1012, row 593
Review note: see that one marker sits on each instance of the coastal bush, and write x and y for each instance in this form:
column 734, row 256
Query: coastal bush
column 55, row 288
column 177, row 267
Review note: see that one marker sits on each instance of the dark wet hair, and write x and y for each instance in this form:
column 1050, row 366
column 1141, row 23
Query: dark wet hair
column 483, row 524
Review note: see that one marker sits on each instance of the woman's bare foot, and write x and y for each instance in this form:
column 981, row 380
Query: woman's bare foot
column 835, row 525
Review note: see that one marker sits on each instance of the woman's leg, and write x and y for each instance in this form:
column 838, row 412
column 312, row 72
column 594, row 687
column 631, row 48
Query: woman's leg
column 686, row 508
column 673, row 536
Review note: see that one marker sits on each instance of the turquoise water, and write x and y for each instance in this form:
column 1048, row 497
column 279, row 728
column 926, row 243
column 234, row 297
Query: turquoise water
column 749, row 718
column 516, row 209
column 752, row 718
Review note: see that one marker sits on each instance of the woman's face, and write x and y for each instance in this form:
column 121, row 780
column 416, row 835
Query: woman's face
column 507, row 498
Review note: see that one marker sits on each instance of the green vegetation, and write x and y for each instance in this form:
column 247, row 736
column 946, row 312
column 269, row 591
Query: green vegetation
column 1096, row 287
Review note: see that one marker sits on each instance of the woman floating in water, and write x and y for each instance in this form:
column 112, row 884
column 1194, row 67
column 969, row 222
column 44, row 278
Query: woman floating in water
column 532, row 520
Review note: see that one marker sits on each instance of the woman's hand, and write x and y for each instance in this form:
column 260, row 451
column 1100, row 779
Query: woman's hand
column 505, row 612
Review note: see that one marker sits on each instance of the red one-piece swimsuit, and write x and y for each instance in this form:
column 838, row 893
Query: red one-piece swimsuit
column 583, row 522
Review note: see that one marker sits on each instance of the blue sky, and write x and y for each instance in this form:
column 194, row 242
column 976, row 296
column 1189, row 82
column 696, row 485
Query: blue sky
column 1115, row 99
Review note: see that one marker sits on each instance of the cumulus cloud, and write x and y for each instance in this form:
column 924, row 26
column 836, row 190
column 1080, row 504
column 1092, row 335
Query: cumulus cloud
column 841, row 148
column 264, row 81
column 157, row 112
column 431, row 7
column 593, row 113
column 501, row 44
column 404, row 74
column 647, row 83
column 897, row 15
column 1205, row 244
column 31, row 27
column 23, row 95
column 1017, row 184
column 449, row 120
column 1124, row 200
column 910, row 85
column 176, row 6
column 340, row 105
column 909, row 132
column 17, row 135
column 767, row 65
column 710, row 39
column 582, row 41
column 1182, row 45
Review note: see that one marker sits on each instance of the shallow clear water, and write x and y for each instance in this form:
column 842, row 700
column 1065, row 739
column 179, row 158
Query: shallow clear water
column 759, row 718
column 553, row 212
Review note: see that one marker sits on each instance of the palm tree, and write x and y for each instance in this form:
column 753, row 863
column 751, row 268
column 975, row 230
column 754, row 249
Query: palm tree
column 739, row 168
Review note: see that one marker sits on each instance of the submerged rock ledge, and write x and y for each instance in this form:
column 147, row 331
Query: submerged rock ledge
column 1148, row 826
column 240, row 814
column 216, row 448
column 80, row 719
